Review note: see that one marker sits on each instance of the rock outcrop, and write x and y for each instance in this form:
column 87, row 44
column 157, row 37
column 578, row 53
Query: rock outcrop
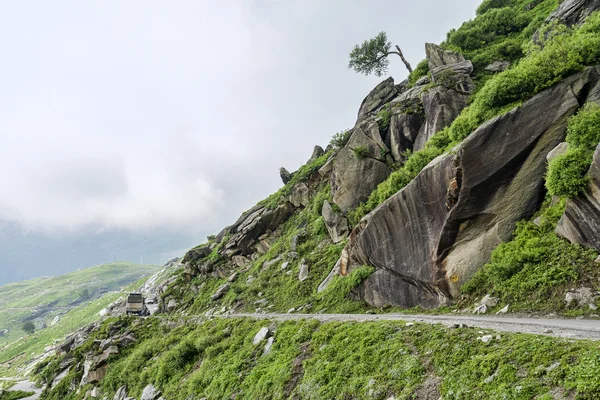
column 431, row 236
column 337, row 225
column 581, row 221
column 359, row 167
column 417, row 113
column 245, row 232
column 497, row 66
column 437, row 57
column 285, row 175
column 317, row 152
column 379, row 96
column 574, row 12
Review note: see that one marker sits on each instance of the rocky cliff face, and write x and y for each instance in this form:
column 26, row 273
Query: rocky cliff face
column 573, row 12
column 393, row 119
column 430, row 237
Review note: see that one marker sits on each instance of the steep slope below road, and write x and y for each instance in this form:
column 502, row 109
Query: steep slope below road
column 566, row 328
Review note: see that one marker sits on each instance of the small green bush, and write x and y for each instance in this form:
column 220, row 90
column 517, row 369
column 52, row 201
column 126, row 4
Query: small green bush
column 487, row 27
column 29, row 327
column 361, row 152
column 487, row 5
column 583, row 129
column 420, row 71
column 385, row 116
column 340, row 139
column 566, row 174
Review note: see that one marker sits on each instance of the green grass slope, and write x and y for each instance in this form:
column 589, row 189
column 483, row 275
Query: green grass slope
column 76, row 298
column 339, row 360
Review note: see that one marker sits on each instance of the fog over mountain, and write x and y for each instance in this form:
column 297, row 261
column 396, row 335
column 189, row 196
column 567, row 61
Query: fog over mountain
column 133, row 129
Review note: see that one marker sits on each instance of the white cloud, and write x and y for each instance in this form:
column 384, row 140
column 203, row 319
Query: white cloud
column 147, row 115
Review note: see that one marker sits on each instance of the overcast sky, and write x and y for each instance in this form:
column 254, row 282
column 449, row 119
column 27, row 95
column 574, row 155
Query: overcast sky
column 139, row 118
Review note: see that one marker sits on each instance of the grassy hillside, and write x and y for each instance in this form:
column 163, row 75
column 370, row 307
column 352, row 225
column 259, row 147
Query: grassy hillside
column 338, row 360
column 75, row 298
column 66, row 290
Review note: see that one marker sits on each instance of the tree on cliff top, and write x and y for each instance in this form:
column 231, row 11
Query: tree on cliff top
column 371, row 56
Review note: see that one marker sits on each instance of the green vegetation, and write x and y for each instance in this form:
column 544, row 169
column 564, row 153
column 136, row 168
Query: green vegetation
column 15, row 395
column 28, row 327
column 361, row 152
column 583, row 129
column 340, row 139
column 499, row 32
column 384, row 116
column 419, row 72
column 338, row 360
column 563, row 52
column 371, row 56
column 567, row 172
column 362, row 361
column 19, row 352
column 534, row 270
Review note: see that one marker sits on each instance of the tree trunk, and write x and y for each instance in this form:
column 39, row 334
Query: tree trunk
column 403, row 59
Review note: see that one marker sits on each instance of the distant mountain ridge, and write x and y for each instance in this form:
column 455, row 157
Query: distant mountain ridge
column 43, row 300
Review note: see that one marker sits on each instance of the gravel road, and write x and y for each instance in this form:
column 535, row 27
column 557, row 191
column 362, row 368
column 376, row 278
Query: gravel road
column 27, row 386
column 567, row 328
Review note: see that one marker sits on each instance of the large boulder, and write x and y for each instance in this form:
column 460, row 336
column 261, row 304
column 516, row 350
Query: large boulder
column 360, row 166
column 382, row 94
column 437, row 57
column 574, row 12
column 247, row 230
column 451, row 73
column 285, row 175
column 196, row 254
column 317, row 152
column 336, row 224
column 150, row 393
column 442, row 106
column 430, row 237
column 300, row 195
column 580, row 223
